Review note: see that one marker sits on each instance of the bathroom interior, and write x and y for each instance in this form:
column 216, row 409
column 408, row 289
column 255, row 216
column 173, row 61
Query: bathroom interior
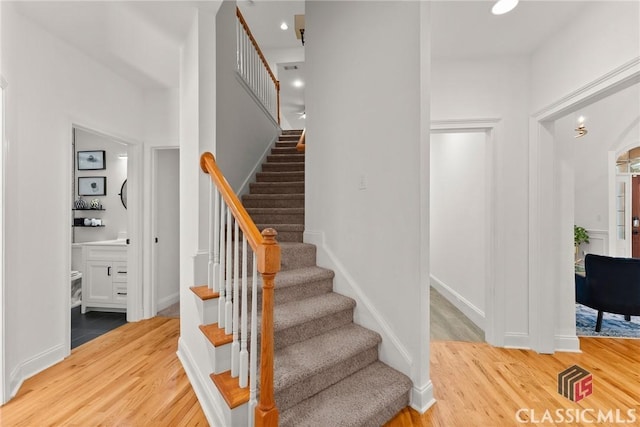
column 99, row 235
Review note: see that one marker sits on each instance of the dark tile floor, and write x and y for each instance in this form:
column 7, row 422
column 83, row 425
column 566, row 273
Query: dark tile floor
column 85, row 327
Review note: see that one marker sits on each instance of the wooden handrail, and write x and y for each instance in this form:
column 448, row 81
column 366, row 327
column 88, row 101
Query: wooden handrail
column 209, row 166
column 267, row 253
column 300, row 146
column 255, row 44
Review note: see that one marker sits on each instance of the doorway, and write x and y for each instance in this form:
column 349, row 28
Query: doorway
column 105, row 259
column 461, row 225
column 166, row 232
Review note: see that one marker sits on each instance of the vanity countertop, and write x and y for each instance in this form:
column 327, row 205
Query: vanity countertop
column 117, row 242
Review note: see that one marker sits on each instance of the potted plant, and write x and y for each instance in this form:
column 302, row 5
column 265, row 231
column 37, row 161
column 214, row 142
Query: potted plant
column 580, row 236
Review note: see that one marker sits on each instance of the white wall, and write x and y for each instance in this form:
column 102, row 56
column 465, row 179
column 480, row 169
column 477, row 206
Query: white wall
column 497, row 89
column 605, row 36
column 52, row 86
column 364, row 124
column 244, row 131
column 114, row 216
column 458, row 219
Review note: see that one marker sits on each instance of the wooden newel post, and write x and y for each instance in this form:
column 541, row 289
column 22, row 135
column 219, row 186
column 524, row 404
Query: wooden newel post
column 268, row 266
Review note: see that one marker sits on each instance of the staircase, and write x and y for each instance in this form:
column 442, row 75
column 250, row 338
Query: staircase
column 326, row 368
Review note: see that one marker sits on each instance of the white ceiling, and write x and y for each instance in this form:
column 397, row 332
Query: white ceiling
column 140, row 40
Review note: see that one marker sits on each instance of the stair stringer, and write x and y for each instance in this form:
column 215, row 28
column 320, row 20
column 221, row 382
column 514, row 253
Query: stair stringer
column 251, row 176
column 391, row 350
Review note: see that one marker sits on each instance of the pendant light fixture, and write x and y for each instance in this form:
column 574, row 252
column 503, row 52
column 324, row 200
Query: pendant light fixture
column 503, row 6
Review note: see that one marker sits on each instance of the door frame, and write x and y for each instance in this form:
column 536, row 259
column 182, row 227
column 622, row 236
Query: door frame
column 494, row 294
column 613, row 178
column 4, row 393
column 550, row 241
column 134, row 223
column 151, row 304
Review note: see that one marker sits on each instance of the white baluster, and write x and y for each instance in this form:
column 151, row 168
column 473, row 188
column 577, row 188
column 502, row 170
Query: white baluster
column 228, row 307
column 253, row 362
column 216, row 240
column 244, row 354
column 221, row 281
column 210, row 277
column 235, row 346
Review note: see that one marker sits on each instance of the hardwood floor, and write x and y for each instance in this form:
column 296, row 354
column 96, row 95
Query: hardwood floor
column 132, row 377
column 450, row 324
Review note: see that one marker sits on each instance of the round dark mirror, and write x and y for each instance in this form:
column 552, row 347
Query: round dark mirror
column 123, row 194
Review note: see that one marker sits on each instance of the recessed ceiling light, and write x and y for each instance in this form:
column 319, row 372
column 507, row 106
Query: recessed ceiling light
column 503, row 6
column 284, row 26
column 297, row 83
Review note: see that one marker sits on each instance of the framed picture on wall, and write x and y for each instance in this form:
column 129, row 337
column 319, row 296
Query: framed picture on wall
column 92, row 186
column 91, row 160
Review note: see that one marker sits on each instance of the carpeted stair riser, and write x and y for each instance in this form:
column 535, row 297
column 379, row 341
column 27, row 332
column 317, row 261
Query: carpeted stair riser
column 287, row 144
column 276, row 187
column 277, row 215
column 297, row 321
column 369, row 397
column 273, row 201
column 280, row 176
column 284, row 150
column 285, row 158
column 292, row 132
column 286, row 232
column 289, row 288
column 308, row 367
column 283, row 167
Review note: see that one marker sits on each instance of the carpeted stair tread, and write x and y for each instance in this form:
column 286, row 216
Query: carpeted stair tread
column 286, row 232
column 370, row 397
column 299, row 320
column 288, row 278
column 295, row 187
column 285, row 150
column 277, row 215
column 286, row 166
column 286, row 176
column 295, row 255
column 285, row 158
column 308, row 367
column 273, row 200
column 286, row 144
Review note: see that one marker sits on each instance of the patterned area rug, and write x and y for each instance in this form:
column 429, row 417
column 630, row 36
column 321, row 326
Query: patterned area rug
column 613, row 325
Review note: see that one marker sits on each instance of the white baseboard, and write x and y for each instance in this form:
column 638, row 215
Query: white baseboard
column 391, row 351
column 517, row 340
column 461, row 303
column 32, row 366
column 567, row 343
column 168, row 301
column 214, row 417
column 422, row 398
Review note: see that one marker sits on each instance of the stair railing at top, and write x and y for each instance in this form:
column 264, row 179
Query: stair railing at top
column 301, row 145
column 227, row 210
column 255, row 70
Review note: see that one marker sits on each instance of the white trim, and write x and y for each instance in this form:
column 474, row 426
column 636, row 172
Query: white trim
column 567, row 343
column 493, row 316
column 545, row 272
column 392, row 351
column 3, row 390
column 461, row 303
column 517, row 340
column 33, row 365
column 168, row 301
column 244, row 188
column 467, row 125
column 422, row 398
column 205, row 398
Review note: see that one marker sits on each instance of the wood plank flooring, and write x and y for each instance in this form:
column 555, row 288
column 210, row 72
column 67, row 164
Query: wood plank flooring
column 450, row 324
column 132, row 377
